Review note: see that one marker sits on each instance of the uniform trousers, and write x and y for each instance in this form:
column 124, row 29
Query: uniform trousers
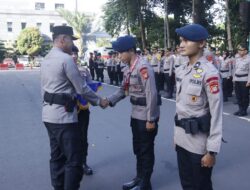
column 100, row 74
column 66, row 155
column 170, row 84
column 92, row 73
column 242, row 95
column 143, row 146
column 157, row 81
column 226, row 88
column 83, row 123
column 110, row 74
column 192, row 175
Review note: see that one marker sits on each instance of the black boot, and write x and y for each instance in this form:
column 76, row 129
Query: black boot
column 87, row 170
column 131, row 184
column 143, row 185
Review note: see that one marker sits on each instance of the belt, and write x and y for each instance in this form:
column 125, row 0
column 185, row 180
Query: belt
column 244, row 75
column 166, row 69
column 60, row 99
column 223, row 71
column 154, row 65
column 139, row 101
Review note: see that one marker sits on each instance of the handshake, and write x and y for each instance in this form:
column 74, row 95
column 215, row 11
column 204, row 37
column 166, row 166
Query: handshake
column 104, row 103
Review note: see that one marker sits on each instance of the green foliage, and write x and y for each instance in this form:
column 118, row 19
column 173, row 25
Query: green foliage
column 29, row 41
column 103, row 42
column 2, row 50
column 79, row 21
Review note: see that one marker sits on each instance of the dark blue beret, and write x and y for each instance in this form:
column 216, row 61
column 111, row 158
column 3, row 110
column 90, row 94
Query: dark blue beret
column 75, row 49
column 193, row 32
column 124, row 43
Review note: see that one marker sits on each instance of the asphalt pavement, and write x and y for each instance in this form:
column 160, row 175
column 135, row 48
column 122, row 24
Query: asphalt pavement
column 24, row 143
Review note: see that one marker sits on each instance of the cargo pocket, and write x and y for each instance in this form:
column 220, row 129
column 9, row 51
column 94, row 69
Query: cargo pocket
column 194, row 95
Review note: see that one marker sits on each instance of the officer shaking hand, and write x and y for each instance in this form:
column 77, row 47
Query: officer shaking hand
column 139, row 83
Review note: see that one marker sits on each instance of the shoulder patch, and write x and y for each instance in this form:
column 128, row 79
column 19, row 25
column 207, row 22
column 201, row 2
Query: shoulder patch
column 212, row 79
column 214, row 87
column 144, row 73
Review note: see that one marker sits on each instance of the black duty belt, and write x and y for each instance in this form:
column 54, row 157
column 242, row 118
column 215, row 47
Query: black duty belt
column 154, row 65
column 166, row 69
column 245, row 75
column 141, row 101
column 223, row 71
column 195, row 124
column 177, row 66
column 62, row 99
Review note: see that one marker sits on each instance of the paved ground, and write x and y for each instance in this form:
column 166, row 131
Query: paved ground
column 24, row 148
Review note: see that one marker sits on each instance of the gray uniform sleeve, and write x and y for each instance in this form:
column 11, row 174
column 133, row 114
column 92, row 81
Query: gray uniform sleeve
column 148, row 81
column 213, row 90
column 248, row 61
column 118, row 95
column 79, row 84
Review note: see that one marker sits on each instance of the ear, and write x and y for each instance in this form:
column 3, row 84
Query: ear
column 202, row 44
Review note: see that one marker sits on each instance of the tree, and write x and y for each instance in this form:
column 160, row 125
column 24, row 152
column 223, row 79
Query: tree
column 2, row 50
column 80, row 22
column 29, row 41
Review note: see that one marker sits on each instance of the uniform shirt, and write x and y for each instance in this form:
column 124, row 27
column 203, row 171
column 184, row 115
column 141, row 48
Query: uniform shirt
column 168, row 64
column 100, row 64
column 198, row 91
column 156, row 63
column 179, row 59
column 242, row 68
column 109, row 62
column 59, row 74
column 140, row 86
column 226, row 68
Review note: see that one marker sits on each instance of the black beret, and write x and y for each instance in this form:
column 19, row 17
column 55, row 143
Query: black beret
column 66, row 30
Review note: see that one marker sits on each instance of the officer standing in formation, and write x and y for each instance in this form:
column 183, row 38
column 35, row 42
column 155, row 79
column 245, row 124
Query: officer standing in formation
column 168, row 68
column 225, row 69
column 109, row 65
column 60, row 82
column 100, row 67
column 92, row 66
column 198, row 119
column 139, row 84
column 242, row 80
column 83, row 113
column 156, row 64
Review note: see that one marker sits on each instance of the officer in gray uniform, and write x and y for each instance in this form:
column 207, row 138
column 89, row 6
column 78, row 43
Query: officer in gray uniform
column 226, row 73
column 139, row 84
column 198, row 119
column 168, row 66
column 242, row 80
column 60, row 82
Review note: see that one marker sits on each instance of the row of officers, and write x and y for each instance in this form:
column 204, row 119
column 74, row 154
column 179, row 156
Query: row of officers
column 234, row 70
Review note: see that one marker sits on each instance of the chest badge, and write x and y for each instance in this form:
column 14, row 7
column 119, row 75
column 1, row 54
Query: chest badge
column 196, row 75
column 194, row 98
column 199, row 70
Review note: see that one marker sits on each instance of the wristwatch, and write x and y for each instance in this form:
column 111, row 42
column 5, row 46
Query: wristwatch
column 212, row 153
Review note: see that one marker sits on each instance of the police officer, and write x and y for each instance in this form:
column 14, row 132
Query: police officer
column 156, row 64
column 60, row 81
column 139, row 84
column 100, row 67
column 168, row 66
column 109, row 65
column 83, row 112
column 242, row 80
column 226, row 73
column 198, row 119
column 92, row 66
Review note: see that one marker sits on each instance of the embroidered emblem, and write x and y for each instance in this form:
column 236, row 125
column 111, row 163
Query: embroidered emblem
column 214, row 87
column 199, row 70
column 144, row 73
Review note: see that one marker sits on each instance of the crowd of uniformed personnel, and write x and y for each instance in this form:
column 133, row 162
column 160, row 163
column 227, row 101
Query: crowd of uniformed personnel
column 199, row 75
column 232, row 65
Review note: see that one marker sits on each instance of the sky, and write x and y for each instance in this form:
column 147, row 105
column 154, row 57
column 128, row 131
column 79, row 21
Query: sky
column 93, row 6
